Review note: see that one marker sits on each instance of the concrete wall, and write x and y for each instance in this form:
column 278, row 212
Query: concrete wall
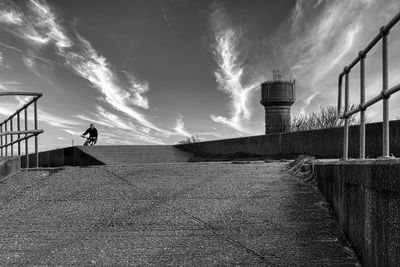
column 325, row 143
column 365, row 197
column 71, row 156
column 9, row 166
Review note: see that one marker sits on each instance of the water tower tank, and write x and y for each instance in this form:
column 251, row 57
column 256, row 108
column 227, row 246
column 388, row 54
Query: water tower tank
column 277, row 97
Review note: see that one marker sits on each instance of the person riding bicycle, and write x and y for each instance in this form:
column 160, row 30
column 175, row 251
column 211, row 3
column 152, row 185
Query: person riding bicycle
column 92, row 135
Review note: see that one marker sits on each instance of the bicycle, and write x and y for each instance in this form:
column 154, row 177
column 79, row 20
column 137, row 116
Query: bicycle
column 90, row 141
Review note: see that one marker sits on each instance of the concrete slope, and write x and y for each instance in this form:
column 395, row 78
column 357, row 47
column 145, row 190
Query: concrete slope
column 180, row 214
column 112, row 155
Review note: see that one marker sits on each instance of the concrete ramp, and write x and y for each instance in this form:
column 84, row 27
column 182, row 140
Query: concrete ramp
column 112, row 155
column 215, row 214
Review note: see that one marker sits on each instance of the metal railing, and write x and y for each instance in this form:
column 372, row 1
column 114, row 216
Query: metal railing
column 362, row 107
column 22, row 135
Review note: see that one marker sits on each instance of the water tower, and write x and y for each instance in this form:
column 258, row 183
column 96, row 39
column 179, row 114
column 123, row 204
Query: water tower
column 277, row 97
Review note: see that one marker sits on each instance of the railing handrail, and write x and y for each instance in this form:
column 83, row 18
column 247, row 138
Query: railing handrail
column 384, row 94
column 27, row 133
column 372, row 101
column 384, row 30
column 35, row 97
column 21, row 93
column 20, row 132
column 34, row 133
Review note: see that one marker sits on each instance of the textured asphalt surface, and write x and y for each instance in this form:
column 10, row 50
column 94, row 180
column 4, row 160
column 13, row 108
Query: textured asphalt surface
column 179, row 214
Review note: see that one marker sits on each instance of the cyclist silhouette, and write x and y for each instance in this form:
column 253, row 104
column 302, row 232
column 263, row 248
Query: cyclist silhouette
column 92, row 139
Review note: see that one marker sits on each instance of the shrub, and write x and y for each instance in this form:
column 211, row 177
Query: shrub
column 326, row 117
column 193, row 139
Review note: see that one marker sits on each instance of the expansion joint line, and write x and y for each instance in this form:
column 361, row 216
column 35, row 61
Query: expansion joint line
column 207, row 225
column 230, row 240
column 119, row 177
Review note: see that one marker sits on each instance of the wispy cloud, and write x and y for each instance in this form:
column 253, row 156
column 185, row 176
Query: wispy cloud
column 137, row 89
column 317, row 46
column 39, row 26
column 87, row 63
column 72, row 132
column 8, row 85
column 43, row 116
column 230, row 73
column 46, row 29
column 30, row 54
column 180, row 127
column 3, row 65
column 10, row 17
column 166, row 19
column 321, row 37
column 56, row 121
column 119, row 127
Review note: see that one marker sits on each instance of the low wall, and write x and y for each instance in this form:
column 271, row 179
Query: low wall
column 324, row 143
column 365, row 198
column 71, row 156
column 9, row 166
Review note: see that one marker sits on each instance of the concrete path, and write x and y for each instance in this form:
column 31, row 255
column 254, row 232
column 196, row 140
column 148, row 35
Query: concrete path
column 111, row 155
column 183, row 214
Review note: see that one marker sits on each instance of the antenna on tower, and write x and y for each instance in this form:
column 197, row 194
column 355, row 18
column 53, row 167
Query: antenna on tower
column 276, row 75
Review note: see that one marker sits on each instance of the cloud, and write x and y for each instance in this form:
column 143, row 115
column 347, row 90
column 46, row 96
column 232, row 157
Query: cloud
column 230, row 73
column 13, row 83
column 10, row 17
column 120, row 128
column 166, row 19
column 30, row 54
column 317, row 46
column 71, row 132
column 211, row 134
column 136, row 89
column 40, row 27
column 321, row 37
column 46, row 29
column 48, row 118
column 297, row 14
column 56, row 121
column 108, row 119
column 89, row 65
column 9, row 85
column 181, row 130
column 180, row 127
column 3, row 64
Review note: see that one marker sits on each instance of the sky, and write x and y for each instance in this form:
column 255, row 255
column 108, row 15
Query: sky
column 159, row 71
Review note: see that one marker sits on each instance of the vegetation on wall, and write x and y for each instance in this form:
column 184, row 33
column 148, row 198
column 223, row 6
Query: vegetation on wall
column 326, row 117
column 193, row 139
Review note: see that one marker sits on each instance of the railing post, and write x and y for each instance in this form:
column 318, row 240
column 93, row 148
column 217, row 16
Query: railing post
column 1, row 139
column 5, row 138
column 36, row 136
column 362, row 101
column 19, row 135
column 339, row 106
column 385, row 83
column 346, row 119
column 18, row 132
column 11, row 137
column 26, row 140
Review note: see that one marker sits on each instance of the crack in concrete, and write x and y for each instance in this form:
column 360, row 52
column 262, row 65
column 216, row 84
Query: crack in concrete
column 206, row 224
column 230, row 240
